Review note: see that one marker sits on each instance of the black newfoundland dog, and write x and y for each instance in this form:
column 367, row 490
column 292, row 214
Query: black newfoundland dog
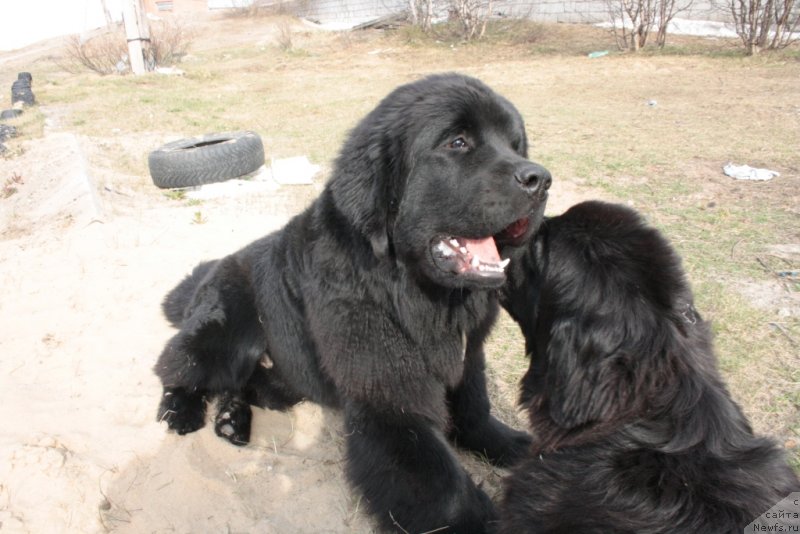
column 634, row 431
column 377, row 300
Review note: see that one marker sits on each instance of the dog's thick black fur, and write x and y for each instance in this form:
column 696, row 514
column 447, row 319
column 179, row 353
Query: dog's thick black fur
column 376, row 299
column 634, row 430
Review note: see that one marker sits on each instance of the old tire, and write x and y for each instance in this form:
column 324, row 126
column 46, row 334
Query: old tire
column 10, row 114
column 207, row 159
column 21, row 92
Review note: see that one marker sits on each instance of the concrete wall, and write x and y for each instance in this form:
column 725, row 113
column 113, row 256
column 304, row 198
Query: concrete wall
column 158, row 7
column 580, row 11
column 590, row 11
column 346, row 11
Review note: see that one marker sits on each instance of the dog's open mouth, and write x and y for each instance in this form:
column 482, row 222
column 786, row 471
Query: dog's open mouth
column 477, row 257
column 514, row 232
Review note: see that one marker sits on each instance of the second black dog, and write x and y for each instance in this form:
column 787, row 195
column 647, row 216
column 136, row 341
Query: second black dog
column 634, row 430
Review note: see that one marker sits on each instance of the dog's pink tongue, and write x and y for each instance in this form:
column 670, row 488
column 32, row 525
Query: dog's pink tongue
column 485, row 249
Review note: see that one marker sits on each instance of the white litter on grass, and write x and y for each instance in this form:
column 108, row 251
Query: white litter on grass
column 260, row 182
column 294, row 171
column 746, row 172
column 287, row 171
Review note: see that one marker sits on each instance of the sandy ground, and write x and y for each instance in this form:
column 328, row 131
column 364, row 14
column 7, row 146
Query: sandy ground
column 83, row 268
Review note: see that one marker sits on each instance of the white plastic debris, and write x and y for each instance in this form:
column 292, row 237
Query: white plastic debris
column 746, row 172
column 288, row 171
column 294, row 171
column 260, row 182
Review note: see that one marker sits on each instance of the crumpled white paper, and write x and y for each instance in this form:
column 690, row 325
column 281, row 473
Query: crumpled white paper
column 294, row 171
column 746, row 172
column 289, row 171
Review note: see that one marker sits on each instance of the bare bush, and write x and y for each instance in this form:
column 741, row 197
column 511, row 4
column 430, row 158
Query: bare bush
column 103, row 54
column 633, row 20
column 766, row 24
column 667, row 10
column 285, row 36
column 472, row 16
column 107, row 53
column 169, row 41
column 420, row 13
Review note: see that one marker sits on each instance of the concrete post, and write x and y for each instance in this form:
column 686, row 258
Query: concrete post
column 137, row 32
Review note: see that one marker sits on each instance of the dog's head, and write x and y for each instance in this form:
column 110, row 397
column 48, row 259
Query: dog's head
column 436, row 177
column 607, row 315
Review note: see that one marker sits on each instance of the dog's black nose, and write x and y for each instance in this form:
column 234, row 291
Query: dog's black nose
column 533, row 177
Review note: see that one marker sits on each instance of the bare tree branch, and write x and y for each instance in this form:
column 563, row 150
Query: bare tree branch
column 765, row 24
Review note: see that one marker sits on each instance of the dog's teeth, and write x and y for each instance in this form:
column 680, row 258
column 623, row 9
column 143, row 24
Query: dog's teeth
column 463, row 250
column 504, row 263
column 444, row 249
column 476, row 261
column 455, row 243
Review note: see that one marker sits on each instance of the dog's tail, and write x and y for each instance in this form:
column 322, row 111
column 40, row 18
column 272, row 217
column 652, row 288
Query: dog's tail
column 178, row 299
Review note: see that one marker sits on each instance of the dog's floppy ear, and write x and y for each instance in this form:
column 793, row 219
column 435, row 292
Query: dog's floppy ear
column 368, row 181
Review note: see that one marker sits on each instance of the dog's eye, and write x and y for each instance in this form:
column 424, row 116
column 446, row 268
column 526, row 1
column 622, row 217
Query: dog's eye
column 459, row 143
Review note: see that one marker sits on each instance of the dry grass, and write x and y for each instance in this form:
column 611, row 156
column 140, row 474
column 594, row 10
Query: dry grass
column 589, row 121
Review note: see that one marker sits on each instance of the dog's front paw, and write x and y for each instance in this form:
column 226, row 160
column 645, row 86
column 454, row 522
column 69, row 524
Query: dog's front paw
column 233, row 421
column 518, row 447
column 184, row 412
column 497, row 442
